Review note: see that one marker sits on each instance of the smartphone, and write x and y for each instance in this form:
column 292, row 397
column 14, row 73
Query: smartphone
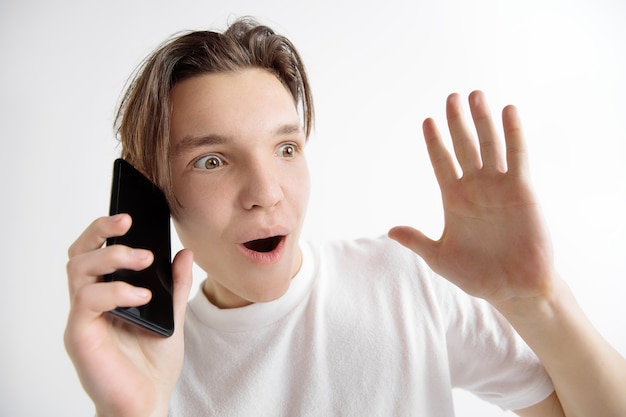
column 133, row 193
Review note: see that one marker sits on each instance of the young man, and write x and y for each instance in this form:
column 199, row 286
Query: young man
column 281, row 327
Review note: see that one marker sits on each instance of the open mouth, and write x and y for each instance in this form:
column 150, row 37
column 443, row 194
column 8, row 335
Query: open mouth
column 264, row 245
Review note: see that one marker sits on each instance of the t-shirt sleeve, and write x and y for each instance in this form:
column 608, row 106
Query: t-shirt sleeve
column 487, row 357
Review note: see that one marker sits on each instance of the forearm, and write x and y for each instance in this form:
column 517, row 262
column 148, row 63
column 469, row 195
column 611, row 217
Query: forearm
column 588, row 374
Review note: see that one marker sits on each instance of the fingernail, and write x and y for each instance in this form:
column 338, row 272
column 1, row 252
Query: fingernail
column 141, row 292
column 116, row 217
column 140, row 253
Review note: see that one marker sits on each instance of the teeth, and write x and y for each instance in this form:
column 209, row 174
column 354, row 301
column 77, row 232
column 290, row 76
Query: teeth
column 263, row 245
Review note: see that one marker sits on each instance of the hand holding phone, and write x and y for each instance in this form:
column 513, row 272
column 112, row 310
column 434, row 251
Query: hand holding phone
column 118, row 367
column 136, row 195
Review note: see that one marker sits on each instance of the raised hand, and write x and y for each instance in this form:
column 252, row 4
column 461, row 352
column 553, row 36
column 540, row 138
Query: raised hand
column 126, row 371
column 494, row 244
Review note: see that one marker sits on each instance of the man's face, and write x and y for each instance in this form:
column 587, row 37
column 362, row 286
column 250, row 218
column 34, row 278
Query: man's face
column 240, row 176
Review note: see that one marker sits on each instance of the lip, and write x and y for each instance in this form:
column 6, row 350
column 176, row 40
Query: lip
column 254, row 232
column 265, row 258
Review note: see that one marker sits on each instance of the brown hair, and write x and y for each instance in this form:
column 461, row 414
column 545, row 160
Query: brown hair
column 143, row 117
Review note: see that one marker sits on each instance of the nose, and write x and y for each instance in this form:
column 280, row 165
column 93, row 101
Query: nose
column 261, row 187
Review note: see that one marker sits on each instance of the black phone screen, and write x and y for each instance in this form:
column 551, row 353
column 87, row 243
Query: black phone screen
column 134, row 194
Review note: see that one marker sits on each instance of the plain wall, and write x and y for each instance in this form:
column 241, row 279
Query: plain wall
column 377, row 69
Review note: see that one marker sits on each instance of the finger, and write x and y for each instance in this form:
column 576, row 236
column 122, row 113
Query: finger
column 516, row 151
column 490, row 144
column 91, row 301
column 86, row 322
column 94, row 236
column 182, row 272
column 440, row 158
column 464, row 143
column 86, row 268
column 416, row 241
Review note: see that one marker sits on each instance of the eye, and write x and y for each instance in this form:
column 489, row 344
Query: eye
column 208, row 162
column 287, row 151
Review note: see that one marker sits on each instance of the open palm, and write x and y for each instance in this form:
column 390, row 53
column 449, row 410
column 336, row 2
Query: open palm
column 494, row 244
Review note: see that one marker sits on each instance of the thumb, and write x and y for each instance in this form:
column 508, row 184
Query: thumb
column 181, row 268
column 416, row 241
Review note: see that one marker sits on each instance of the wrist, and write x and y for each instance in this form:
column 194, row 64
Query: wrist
column 540, row 308
column 550, row 323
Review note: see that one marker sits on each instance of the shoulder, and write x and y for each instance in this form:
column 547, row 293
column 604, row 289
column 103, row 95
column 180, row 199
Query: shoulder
column 380, row 253
column 380, row 268
column 375, row 267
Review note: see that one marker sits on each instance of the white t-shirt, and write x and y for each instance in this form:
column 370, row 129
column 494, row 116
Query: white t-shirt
column 365, row 329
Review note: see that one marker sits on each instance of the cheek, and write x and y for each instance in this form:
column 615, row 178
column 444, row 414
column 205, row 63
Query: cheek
column 300, row 187
column 202, row 209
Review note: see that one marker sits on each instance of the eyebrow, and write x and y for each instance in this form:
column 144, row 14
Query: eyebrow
column 287, row 129
column 193, row 142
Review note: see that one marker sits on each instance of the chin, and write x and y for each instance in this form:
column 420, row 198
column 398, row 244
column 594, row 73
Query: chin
column 259, row 277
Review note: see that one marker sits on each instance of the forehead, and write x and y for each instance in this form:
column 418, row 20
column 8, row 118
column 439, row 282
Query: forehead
column 228, row 104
